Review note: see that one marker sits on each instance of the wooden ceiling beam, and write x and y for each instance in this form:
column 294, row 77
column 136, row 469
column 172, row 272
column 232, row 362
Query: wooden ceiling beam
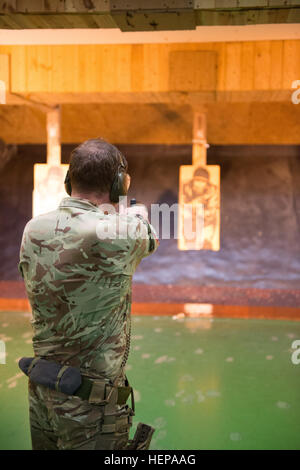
column 157, row 123
column 142, row 15
column 47, row 100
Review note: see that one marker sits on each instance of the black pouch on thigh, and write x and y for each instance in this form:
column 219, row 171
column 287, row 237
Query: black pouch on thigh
column 64, row 379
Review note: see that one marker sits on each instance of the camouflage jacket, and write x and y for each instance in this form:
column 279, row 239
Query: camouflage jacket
column 77, row 263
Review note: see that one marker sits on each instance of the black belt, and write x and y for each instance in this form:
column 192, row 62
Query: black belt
column 70, row 381
column 102, row 390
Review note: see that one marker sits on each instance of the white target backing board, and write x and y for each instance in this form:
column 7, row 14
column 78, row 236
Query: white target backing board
column 49, row 187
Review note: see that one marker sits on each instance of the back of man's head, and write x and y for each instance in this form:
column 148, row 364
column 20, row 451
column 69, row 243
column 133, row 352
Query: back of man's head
column 93, row 166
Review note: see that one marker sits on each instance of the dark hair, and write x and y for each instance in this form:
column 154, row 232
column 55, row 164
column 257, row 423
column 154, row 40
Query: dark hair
column 201, row 173
column 94, row 165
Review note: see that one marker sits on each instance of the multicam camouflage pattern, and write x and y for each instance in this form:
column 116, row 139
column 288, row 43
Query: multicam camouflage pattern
column 79, row 288
column 61, row 422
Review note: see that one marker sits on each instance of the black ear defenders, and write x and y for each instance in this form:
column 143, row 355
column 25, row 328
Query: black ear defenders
column 68, row 186
column 120, row 184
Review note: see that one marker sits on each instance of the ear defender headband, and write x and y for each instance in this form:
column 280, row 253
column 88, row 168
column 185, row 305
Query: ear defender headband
column 120, row 184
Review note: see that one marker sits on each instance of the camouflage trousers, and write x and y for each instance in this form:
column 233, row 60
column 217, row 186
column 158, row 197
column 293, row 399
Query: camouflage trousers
column 63, row 422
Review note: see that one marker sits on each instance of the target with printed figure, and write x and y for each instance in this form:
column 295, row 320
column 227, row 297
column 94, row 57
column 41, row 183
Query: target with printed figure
column 199, row 208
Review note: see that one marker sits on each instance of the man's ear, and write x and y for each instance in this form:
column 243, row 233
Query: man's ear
column 128, row 181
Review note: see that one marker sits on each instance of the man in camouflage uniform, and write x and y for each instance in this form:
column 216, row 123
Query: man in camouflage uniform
column 78, row 282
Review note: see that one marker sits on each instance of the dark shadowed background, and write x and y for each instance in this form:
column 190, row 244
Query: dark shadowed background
column 260, row 213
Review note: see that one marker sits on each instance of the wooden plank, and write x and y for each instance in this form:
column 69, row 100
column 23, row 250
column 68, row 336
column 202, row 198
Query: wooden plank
column 247, row 66
column 19, row 75
column 123, row 70
column 39, row 68
column 91, row 59
column 221, row 61
column 291, row 63
column 69, row 69
column 233, row 66
column 157, row 123
column 128, row 123
column 137, row 67
column 99, row 68
column 164, row 68
column 276, row 53
column 194, row 99
column 192, row 70
column 199, row 139
column 199, row 155
column 262, row 65
column 54, row 6
column 156, row 68
column 60, row 77
column 54, row 137
column 109, row 68
column 151, row 67
column 83, row 64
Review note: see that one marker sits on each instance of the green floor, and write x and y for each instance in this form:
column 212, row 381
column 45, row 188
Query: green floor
column 222, row 384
